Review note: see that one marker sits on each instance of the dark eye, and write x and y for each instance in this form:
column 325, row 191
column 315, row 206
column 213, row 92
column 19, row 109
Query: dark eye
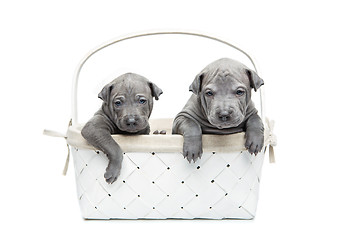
column 240, row 92
column 142, row 101
column 209, row 93
column 118, row 103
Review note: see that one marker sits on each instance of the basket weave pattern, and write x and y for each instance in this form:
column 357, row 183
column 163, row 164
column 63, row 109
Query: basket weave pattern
column 164, row 185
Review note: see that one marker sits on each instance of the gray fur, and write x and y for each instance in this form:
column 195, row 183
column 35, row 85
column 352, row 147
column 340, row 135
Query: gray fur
column 123, row 111
column 221, row 104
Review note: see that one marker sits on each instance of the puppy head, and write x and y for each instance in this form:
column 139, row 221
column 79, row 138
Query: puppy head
column 224, row 89
column 128, row 101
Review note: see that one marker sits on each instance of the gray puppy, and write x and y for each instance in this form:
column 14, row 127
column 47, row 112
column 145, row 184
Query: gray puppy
column 126, row 108
column 220, row 104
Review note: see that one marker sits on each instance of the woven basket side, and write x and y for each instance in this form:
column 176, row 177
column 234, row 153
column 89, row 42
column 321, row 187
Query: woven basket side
column 164, row 185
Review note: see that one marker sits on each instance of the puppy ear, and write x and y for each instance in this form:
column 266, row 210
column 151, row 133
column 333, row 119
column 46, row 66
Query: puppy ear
column 195, row 87
column 255, row 81
column 105, row 93
column 155, row 90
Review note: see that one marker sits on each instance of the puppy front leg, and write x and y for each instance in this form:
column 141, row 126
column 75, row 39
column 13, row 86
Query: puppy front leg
column 191, row 131
column 254, row 134
column 98, row 134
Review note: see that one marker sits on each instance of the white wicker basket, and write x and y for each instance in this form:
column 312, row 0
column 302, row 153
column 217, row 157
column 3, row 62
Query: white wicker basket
column 156, row 182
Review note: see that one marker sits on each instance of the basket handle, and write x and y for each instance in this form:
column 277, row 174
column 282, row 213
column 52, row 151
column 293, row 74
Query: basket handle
column 74, row 109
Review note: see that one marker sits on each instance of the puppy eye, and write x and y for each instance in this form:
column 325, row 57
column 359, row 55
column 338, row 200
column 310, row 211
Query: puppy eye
column 209, row 93
column 240, row 92
column 142, row 101
column 118, row 103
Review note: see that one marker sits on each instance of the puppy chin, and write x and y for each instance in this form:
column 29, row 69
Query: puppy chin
column 133, row 128
column 227, row 124
column 224, row 125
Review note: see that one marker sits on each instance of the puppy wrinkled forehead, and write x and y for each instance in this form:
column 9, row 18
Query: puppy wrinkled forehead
column 224, row 77
column 132, row 86
column 223, row 74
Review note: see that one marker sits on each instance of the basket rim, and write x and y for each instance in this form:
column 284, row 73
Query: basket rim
column 164, row 143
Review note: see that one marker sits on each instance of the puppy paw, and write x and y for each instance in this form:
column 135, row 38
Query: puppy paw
column 192, row 148
column 112, row 172
column 254, row 141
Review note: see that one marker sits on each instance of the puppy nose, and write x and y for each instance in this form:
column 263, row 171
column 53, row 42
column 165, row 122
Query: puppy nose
column 224, row 115
column 130, row 121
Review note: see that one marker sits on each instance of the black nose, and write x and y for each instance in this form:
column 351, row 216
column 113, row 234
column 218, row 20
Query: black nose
column 224, row 115
column 130, row 121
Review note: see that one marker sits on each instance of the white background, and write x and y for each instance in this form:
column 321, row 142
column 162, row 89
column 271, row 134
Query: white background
column 308, row 53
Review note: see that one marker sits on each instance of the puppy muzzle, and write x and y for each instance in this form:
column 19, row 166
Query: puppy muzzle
column 131, row 123
column 225, row 118
column 225, row 115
